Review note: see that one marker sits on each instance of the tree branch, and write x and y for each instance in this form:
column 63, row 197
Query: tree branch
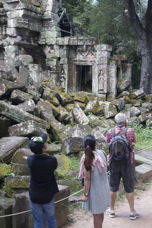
column 134, row 19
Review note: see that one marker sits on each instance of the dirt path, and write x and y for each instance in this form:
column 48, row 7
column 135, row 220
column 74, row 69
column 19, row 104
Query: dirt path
column 143, row 202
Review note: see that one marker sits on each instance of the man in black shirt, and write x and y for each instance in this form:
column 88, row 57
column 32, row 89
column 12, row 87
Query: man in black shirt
column 43, row 184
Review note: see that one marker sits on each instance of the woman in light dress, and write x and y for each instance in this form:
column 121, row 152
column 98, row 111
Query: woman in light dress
column 93, row 170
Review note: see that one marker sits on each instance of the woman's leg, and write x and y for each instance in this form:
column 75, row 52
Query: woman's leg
column 49, row 211
column 98, row 220
column 37, row 212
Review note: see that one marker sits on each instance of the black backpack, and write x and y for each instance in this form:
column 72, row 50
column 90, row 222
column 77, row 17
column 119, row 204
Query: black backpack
column 119, row 147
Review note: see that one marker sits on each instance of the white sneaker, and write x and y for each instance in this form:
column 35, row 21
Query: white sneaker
column 111, row 213
column 134, row 216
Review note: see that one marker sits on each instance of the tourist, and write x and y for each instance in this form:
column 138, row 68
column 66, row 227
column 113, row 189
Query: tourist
column 43, row 186
column 121, row 164
column 93, row 169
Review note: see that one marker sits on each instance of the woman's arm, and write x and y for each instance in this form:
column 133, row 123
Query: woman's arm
column 87, row 182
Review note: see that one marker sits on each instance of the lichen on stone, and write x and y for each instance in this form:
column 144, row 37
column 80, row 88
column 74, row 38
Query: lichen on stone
column 5, row 170
column 64, row 166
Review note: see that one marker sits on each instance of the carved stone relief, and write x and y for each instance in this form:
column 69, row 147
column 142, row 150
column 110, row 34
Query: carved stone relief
column 85, row 53
column 62, row 77
column 101, row 80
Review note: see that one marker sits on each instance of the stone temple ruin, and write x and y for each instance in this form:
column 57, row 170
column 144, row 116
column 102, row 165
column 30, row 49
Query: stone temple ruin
column 40, row 53
column 37, row 41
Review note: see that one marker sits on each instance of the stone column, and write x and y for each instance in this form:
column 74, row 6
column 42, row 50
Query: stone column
column 129, row 71
column 52, row 59
column 50, row 20
column 11, row 51
column 100, row 69
column 48, row 37
column 112, row 78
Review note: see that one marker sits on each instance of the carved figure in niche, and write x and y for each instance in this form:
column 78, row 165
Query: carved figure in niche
column 62, row 77
column 101, row 80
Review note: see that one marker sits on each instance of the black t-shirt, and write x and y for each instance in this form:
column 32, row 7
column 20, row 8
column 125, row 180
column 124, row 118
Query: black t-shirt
column 43, row 184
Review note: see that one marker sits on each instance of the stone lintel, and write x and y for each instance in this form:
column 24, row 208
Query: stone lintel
column 23, row 13
column 17, row 5
column 84, row 63
column 24, row 23
column 72, row 41
column 103, row 47
column 26, row 44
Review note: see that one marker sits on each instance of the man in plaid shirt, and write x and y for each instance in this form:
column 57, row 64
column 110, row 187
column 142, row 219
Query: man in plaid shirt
column 121, row 169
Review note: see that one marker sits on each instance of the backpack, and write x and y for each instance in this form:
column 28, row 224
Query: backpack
column 119, row 147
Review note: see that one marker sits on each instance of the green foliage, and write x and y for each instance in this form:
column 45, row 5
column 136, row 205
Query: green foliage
column 78, row 10
column 144, row 136
column 8, row 190
column 108, row 21
column 75, row 163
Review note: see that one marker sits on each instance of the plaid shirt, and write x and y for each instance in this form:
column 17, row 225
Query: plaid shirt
column 130, row 135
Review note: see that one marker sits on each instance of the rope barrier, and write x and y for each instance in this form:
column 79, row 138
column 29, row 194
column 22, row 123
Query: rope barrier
column 27, row 211
column 58, row 201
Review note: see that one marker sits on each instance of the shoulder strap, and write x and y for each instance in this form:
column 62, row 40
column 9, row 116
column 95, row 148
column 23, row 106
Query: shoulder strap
column 124, row 131
column 113, row 132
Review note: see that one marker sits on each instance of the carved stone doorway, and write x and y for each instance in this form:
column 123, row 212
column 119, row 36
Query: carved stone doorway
column 84, row 78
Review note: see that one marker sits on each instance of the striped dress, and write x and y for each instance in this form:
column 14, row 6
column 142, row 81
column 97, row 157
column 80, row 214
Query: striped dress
column 99, row 194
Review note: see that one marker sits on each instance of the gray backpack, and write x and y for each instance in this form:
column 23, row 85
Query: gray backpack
column 119, row 147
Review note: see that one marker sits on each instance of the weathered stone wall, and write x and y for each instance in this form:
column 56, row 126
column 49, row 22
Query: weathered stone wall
column 32, row 43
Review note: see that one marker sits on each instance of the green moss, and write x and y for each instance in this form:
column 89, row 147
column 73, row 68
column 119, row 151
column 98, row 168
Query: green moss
column 19, row 183
column 75, row 163
column 8, row 190
column 5, row 170
column 64, row 165
column 127, row 99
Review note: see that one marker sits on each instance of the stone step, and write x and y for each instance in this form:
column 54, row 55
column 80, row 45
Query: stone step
column 140, row 159
column 143, row 171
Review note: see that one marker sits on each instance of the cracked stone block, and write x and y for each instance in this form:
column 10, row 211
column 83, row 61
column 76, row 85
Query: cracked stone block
column 144, row 171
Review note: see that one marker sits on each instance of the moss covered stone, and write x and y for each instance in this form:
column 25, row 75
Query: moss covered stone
column 18, row 182
column 127, row 99
column 64, row 166
column 58, row 131
column 80, row 97
column 5, row 170
column 13, row 184
column 92, row 106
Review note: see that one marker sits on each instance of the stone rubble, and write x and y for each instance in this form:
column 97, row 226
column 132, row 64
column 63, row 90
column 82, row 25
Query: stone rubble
column 44, row 89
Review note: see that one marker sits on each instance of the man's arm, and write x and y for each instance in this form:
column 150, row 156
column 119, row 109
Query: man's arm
column 54, row 163
column 131, row 136
column 108, row 137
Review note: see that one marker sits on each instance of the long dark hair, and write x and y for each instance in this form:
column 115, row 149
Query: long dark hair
column 89, row 144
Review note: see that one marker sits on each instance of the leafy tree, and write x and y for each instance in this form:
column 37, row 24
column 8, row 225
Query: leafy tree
column 142, row 25
column 108, row 21
column 77, row 10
